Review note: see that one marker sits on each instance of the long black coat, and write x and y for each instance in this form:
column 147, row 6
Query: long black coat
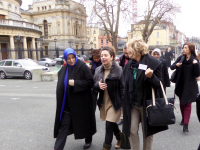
column 168, row 57
column 165, row 74
column 79, row 99
column 143, row 87
column 186, row 87
column 114, row 83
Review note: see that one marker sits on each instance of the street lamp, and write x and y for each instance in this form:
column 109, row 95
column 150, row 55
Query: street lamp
column 70, row 43
column 55, row 42
column 41, row 49
column 19, row 39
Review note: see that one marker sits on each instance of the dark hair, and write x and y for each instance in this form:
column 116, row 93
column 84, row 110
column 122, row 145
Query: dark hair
column 161, row 52
column 150, row 52
column 111, row 51
column 191, row 48
column 96, row 53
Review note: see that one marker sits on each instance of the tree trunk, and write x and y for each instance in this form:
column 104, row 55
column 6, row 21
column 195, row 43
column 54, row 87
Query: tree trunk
column 114, row 42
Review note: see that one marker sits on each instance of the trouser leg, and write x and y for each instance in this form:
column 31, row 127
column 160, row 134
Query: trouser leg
column 62, row 135
column 88, row 140
column 134, row 137
column 182, row 109
column 109, row 132
column 147, row 142
column 187, row 113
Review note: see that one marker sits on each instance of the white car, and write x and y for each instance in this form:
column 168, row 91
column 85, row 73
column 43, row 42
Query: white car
column 46, row 62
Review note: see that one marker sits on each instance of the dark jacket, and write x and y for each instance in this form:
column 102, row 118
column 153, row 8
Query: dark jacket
column 186, row 87
column 168, row 57
column 79, row 99
column 144, row 90
column 92, row 64
column 165, row 74
column 114, row 83
column 122, row 61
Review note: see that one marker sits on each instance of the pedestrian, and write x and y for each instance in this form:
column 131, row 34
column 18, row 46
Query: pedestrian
column 162, row 55
column 150, row 52
column 95, row 60
column 123, row 60
column 168, row 56
column 108, row 82
column 74, row 111
column 186, row 87
column 140, row 74
column 165, row 75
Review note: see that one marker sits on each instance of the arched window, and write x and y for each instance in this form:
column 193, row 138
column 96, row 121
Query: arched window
column 45, row 29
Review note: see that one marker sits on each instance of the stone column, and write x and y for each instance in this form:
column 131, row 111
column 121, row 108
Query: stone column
column 12, row 47
column 39, row 49
column 33, row 49
column 25, row 47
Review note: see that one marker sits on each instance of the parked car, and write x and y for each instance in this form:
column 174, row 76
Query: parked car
column 46, row 62
column 81, row 57
column 19, row 68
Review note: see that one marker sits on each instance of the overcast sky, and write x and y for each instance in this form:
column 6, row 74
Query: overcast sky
column 188, row 21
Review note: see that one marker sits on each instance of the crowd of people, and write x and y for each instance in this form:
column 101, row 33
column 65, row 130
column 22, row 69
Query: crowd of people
column 120, row 91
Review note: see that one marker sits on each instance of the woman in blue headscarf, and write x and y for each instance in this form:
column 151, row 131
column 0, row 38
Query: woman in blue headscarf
column 74, row 112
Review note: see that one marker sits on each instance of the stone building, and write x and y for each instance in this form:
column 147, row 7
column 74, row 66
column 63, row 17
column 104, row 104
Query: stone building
column 60, row 24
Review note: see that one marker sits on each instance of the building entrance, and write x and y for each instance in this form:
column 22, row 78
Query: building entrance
column 4, row 52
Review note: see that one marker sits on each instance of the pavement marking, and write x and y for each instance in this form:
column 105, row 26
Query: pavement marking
column 15, row 99
column 28, row 95
column 17, row 86
column 2, row 85
column 35, row 87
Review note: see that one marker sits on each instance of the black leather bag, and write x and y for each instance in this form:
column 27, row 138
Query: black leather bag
column 198, row 106
column 174, row 76
column 125, row 143
column 160, row 111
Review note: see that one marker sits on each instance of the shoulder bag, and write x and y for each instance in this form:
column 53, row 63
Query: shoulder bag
column 160, row 111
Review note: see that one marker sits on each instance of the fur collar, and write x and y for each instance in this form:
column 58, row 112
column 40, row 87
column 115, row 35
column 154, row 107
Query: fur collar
column 115, row 72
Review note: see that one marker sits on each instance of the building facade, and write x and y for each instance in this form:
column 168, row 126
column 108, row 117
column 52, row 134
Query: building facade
column 60, row 24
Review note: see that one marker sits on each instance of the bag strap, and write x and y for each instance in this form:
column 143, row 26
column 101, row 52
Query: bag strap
column 163, row 91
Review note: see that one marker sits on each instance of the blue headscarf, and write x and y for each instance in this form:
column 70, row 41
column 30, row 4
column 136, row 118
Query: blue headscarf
column 65, row 54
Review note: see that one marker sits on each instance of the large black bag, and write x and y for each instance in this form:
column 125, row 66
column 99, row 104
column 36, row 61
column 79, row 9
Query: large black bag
column 125, row 143
column 198, row 106
column 160, row 111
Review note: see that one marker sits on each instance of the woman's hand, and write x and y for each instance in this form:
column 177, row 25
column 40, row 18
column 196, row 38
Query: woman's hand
column 149, row 73
column 178, row 64
column 102, row 86
column 194, row 61
column 71, row 82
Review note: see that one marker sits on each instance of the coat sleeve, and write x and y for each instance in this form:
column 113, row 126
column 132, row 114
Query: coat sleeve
column 196, row 69
column 173, row 66
column 156, row 78
column 166, row 75
column 96, row 82
column 86, row 83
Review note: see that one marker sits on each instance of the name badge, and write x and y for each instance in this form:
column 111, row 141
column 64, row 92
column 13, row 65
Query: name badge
column 142, row 67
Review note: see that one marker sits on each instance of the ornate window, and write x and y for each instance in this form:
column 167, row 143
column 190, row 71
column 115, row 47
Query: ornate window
column 45, row 29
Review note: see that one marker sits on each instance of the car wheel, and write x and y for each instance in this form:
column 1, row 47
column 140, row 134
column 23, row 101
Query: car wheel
column 47, row 65
column 27, row 75
column 2, row 75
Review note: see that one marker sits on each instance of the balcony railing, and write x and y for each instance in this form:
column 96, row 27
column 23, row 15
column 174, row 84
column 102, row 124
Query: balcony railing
column 16, row 23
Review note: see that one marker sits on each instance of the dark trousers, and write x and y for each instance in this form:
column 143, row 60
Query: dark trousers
column 111, row 127
column 186, row 112
column 62, row 136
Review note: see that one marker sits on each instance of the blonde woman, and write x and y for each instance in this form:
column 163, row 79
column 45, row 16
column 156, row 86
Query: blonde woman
column 140, row 74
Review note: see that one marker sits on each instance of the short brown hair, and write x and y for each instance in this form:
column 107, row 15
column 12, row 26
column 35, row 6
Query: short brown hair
column 111, row 51
column 191, row 48
column 96, row 53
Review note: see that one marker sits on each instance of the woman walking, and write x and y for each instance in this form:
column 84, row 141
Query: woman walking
column 74, row 112
column 140, row 74
column 95, row 60
column 186, row 85
column 108, row 82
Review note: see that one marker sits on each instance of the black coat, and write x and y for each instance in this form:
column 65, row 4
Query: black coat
column 186, row 87
column 122, row 61
column 168, row 57
column 165, row 74
column 79, row 99
column 143, row 87
column 114, row 83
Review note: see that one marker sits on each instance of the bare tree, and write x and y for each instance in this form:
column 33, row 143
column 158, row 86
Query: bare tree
column 157, row 11
column 107, row 13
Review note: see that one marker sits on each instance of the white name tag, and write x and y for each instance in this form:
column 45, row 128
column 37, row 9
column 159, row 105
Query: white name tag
column 142, row 67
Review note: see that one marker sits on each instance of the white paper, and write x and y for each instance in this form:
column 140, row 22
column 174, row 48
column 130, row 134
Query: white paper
column 142, row 67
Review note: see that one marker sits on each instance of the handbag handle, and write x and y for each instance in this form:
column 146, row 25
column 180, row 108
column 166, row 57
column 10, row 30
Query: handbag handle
column 153, row 95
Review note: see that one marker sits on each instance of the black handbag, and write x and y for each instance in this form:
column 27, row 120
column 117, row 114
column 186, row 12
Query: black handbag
column 160, row 111
column 198, row 106
column 125, row 143
column 174, row 76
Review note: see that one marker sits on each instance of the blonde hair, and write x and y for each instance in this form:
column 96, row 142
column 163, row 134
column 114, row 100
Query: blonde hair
column 137, row 46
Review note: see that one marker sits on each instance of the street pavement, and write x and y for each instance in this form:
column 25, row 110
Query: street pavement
column 27, row 111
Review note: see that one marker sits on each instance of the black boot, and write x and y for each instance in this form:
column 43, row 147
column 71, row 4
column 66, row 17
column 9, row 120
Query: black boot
column 106, row 147
column 185, row 128
column 182, row 122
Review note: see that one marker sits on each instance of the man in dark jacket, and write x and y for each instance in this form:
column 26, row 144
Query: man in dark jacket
column 140, row 74
column 168, row 56
column 123, row 60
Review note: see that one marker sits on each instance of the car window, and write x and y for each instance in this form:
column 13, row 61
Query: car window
column 8, row 63
column 41, row 59
column 15, row 63
column 2, row 63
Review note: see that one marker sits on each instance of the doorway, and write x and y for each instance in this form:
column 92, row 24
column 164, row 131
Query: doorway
column 4, row 52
